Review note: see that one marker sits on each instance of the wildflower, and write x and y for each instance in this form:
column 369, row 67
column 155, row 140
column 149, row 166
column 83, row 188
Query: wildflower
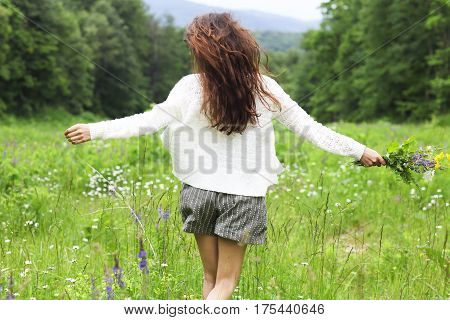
column 143, row 256
column 162, row 214
column 72, row 280
column 75, row 247
column 439, row 157
column 136, row 216
column 109, row 289
column 28, row 262
column 164, row 264
column 305, row 264
column 117, row 270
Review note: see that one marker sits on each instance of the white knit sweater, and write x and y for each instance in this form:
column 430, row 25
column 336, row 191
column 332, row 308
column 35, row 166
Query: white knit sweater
column 244, row 164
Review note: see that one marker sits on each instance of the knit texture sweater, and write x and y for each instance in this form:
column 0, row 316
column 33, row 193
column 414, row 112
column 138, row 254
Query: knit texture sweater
column 244, row 164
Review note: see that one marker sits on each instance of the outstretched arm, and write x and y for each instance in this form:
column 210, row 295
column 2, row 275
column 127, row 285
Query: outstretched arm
column 297, row 120
column 139, row 124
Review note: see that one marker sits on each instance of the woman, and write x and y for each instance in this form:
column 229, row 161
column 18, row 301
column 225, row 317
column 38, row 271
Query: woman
column 218, row 128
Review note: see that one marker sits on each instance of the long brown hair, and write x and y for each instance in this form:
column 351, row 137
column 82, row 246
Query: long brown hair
column 228, row 57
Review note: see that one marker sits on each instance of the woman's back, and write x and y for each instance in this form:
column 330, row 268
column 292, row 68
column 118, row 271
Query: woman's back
column 205, row 157
column 202, row 156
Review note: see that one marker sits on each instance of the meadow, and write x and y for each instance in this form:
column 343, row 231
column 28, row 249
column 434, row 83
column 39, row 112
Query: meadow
column 335, row 230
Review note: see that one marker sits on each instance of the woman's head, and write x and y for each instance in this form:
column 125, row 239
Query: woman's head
column 227, row 56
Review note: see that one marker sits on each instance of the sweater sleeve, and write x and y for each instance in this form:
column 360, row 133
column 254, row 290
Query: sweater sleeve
column 297, row 120
column 142, row 123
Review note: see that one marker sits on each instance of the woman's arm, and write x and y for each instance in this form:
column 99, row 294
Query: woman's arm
column 297, row 120
column 139, row 124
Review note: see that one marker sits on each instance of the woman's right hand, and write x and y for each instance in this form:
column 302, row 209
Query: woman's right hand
column 372, row 158
column 78, row 133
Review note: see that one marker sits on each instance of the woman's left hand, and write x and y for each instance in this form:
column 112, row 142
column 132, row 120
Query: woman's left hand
column 78, row 133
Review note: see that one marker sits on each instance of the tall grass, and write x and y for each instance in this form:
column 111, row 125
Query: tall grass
column 335, row 231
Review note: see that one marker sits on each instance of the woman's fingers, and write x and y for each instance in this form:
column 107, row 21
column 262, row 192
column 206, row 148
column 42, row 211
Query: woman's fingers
column 78, row 140
column 75, row 137
column 73, row 134
column 71, row 129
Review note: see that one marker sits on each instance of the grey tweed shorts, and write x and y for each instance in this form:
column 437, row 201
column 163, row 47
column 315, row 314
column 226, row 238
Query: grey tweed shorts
column 231, row 216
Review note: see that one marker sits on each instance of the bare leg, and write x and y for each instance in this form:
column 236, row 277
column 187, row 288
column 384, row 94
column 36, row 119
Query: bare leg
column 231, row 257
column 207, row 246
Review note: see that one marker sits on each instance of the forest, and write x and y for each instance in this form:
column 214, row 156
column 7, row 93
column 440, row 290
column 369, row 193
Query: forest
column 370, row 59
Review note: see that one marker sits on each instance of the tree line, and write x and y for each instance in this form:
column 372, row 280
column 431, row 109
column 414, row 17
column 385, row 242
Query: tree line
column 369, row 59
column 374, row 59
column 72, row 53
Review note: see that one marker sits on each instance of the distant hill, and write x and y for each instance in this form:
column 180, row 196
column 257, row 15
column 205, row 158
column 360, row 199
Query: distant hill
column 184, row 11
column 278, row 41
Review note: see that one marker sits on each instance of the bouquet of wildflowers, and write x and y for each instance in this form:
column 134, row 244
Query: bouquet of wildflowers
column 406, row 160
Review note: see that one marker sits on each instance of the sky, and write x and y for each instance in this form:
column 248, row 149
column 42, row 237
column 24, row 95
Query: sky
column 305, row 10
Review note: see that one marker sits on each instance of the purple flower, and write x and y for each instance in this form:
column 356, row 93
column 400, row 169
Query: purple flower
column 420, row 163
column 136, row 216
column 163, row 214
column 109, row 290
column 143, row 256
column 117, row 270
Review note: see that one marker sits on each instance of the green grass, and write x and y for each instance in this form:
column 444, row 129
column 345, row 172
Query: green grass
column 335, row 231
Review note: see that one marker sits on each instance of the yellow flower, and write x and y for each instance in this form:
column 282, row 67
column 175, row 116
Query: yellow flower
column 448, row 156
column 437, row 166
column 439, row 157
